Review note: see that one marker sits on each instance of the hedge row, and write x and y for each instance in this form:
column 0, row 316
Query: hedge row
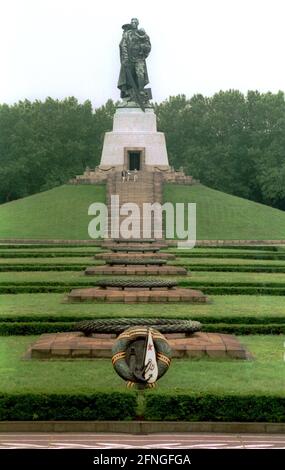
column 48, row 254
column 66, row 254
column 247, row 247
column 236, row 247
column 69, row 318
column 156, row 406
column 181, row 281
column 255, row 290
column 210, row 407
column 40, row 327
column 191, row 267
column 97, row 244
column 29, row 246
column 192, row 254
column 97, row 406
column 43, row 267
column 40, row 289
column 34, row 328
column 245, row 329
column 250, row 268
column 221, row 290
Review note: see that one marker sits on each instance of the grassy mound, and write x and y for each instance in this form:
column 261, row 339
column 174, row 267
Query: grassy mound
column 221, row 216
column 61, row 213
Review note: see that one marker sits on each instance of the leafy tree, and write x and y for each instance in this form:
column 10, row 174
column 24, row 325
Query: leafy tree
column 230, row 141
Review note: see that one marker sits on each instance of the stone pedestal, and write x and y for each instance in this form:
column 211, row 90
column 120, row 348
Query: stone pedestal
column 75, row 345
column 137, row 295
column 134, row 131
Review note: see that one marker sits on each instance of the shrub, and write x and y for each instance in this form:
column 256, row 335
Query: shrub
column 210, row 407
column 98, row 406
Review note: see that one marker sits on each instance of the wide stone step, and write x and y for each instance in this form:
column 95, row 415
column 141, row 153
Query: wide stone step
column 97, row 294
column 75, row 345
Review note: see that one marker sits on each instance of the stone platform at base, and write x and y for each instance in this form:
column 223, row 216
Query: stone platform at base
column 131, row 269
column 136, row 295
column 76, row 345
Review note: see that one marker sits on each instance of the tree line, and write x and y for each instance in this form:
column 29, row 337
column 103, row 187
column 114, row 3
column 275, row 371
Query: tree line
column 230, row 141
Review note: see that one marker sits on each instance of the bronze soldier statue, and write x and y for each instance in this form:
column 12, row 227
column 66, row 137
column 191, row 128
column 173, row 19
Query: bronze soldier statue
column 134, row 48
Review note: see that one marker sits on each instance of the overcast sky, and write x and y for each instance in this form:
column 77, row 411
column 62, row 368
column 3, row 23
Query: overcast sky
column 60, row 48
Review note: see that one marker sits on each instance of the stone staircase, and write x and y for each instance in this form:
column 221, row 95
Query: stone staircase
column 146, row 189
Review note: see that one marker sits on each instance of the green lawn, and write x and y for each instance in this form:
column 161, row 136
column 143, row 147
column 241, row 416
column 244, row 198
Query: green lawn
column 53, row 305
column 31, row 249
column 65, row 260
column 6, row 254
column 60, row 213
column 264, row 375
column 197, row 276
column 221, row 216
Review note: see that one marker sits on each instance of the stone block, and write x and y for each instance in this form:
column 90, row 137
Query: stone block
column 194, row 351
column 38, row 352
column 81, row 353
column 216, row 351
column 60, row 351
column 237, row 352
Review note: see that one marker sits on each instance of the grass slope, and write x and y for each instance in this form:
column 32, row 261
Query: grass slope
column 77, row 277
column 61, row 213
column 222, row 216
column 53, row 306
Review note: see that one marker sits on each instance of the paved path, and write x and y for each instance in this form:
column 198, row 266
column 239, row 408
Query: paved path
column 139, row 441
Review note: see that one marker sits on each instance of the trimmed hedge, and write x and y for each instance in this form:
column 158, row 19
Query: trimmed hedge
column 29, row 246
column 255, row 290
column 42, row 267
column 41, row 289
column 189, row 267
column 234, row 247
column 97, row 244
column 157, row 407
column 34, row 328
column 86, row 280
column 248, row 247
column 48, row 254
column 8, row 328
column 98, row 406
column 277, row 256
column 210, row 407
column 69, row 318
column 245, row 329
column 214, row 290
column 239, row 268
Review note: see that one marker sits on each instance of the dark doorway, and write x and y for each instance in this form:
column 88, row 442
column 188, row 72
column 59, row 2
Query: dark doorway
column 134, row 161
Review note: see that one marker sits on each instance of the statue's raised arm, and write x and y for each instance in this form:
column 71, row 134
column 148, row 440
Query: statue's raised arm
column 134, row 48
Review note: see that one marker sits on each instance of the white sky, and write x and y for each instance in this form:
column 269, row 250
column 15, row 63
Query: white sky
column 62, row 48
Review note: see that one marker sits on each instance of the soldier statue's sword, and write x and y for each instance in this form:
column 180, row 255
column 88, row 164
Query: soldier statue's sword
column 135, row 88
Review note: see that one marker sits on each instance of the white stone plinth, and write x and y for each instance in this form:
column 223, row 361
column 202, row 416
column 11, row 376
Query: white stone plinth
column 134, row 129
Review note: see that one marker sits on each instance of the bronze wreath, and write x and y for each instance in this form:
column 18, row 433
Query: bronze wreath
column 119, row 352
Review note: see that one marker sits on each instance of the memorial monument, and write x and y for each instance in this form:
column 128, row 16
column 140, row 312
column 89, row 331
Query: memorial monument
column 134, row 144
